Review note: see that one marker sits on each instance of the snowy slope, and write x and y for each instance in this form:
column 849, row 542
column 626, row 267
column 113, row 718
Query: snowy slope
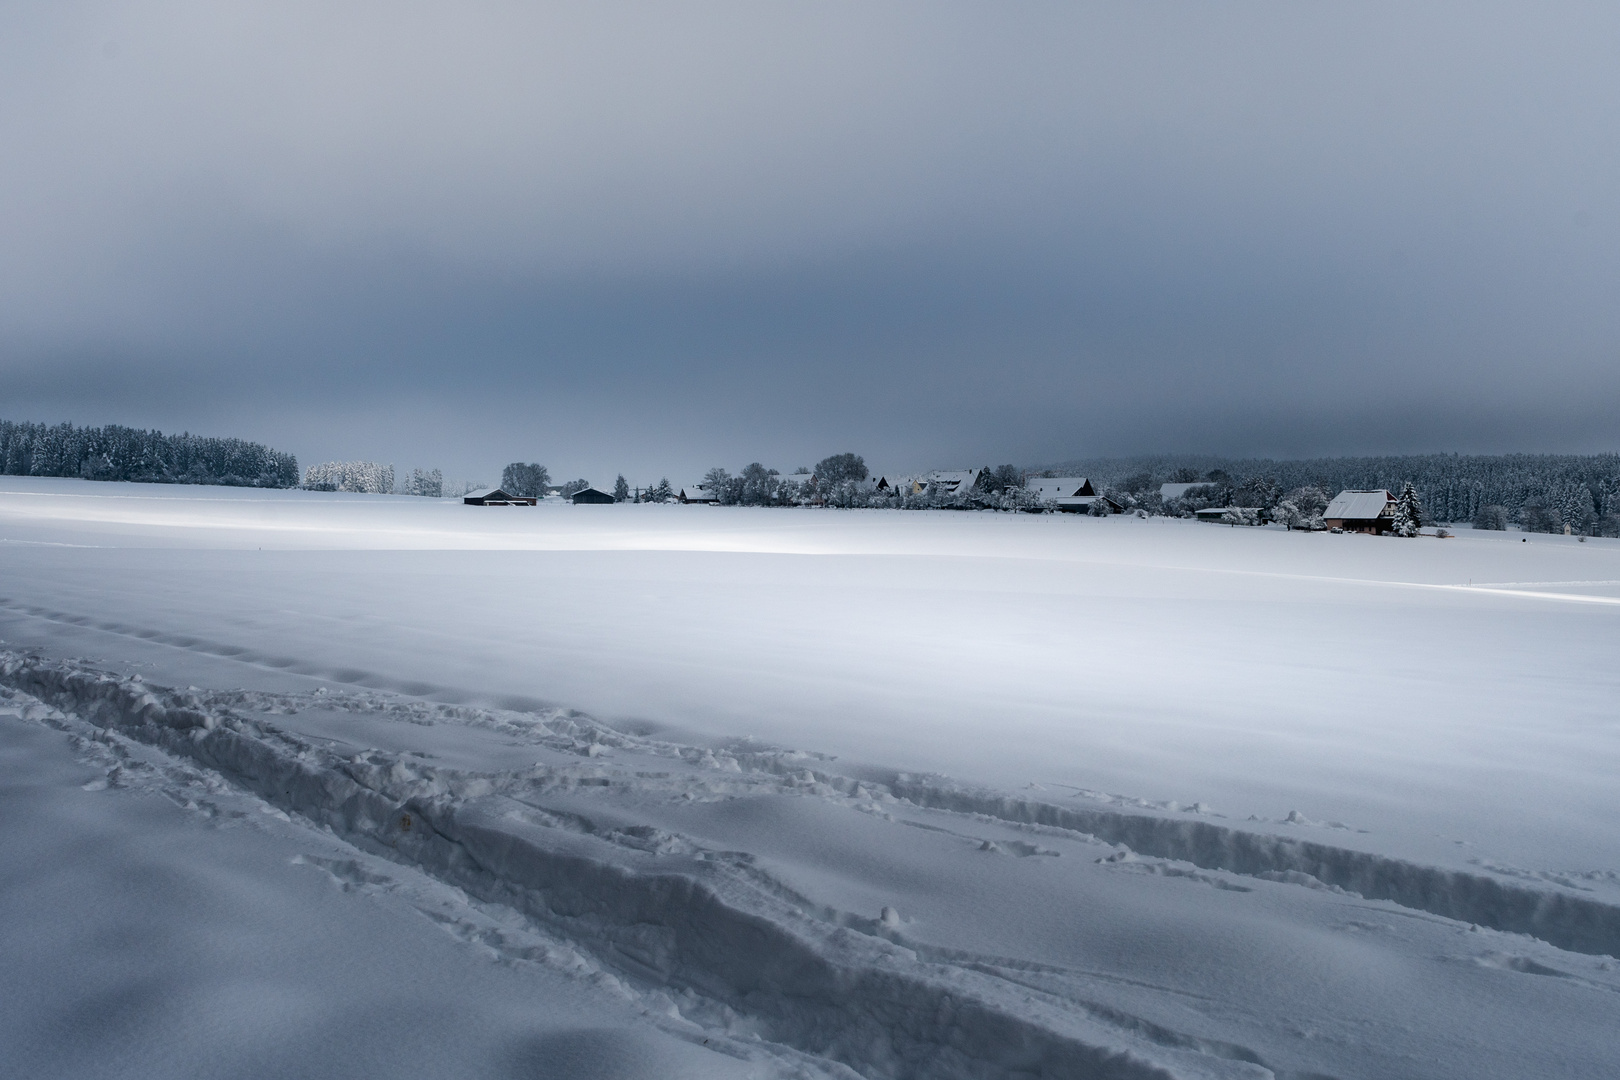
column 1223, row 802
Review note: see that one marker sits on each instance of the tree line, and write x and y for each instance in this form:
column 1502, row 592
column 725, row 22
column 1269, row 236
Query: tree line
column 122, row 453
column 1538, row 492
column 373, row 478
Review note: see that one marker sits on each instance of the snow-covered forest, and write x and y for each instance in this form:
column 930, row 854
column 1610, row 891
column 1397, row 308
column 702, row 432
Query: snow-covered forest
column 121, row 453
column 365, row 477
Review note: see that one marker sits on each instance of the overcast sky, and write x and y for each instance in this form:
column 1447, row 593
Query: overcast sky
column 652, row 239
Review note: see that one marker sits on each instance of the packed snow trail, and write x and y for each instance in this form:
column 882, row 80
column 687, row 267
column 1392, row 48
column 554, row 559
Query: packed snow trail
column 683, row 868
column 161, row 922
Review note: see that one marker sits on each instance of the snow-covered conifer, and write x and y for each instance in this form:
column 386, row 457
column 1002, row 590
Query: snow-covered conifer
column 367, row 477
column 1408, row 512
column 429, row 484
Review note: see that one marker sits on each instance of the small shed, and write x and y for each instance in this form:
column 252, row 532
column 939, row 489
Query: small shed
column 592, row 497
column 497, row 497
column 1361, row 511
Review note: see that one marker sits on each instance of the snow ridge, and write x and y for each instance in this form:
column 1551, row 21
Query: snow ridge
column 712, row 932
column 1569, row 922
column 699, row 922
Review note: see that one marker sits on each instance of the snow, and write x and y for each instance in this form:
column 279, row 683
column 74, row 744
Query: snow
column 1358, row 505
column 904, row 793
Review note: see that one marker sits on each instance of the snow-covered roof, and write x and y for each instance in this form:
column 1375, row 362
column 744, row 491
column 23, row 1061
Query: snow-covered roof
column 1358, row 505
column 952, row 481
column 482, row 493
column 696, row 493
column 1051, row 488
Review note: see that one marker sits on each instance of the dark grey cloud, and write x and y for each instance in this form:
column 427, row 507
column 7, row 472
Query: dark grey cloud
column 653, row 239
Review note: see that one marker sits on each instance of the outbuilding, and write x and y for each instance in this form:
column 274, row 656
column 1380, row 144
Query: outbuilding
column 497, row 497
column 1361, row 511
column 592, row 497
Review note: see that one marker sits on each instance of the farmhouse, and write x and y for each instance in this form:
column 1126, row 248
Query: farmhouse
column 591, row 496
column 497, row 497
column 1074, row 494
column 1361, row 511
column 950, row 483
column 896, row 484
column 696, row 493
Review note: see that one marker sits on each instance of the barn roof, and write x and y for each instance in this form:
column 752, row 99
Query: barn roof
column 699, row 492
column 1057, row 487
column 1358, row 505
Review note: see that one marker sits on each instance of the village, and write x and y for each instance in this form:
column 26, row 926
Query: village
column 1374, row 511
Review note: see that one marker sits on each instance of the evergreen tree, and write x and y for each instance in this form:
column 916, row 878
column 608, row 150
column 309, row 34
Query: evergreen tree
column 120, row 453
column 1408, row 512
column 428, row 484
column 366, row 477
column 621, row 489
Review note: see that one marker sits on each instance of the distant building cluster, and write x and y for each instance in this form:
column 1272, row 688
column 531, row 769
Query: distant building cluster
column 843, row 480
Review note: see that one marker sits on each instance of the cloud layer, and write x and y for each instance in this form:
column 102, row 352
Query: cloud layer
column 654, row 238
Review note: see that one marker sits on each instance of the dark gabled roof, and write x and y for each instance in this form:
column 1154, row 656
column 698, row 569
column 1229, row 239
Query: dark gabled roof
column 1060, row 487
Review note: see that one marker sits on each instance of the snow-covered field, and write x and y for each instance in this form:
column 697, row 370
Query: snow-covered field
column 663, row 790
